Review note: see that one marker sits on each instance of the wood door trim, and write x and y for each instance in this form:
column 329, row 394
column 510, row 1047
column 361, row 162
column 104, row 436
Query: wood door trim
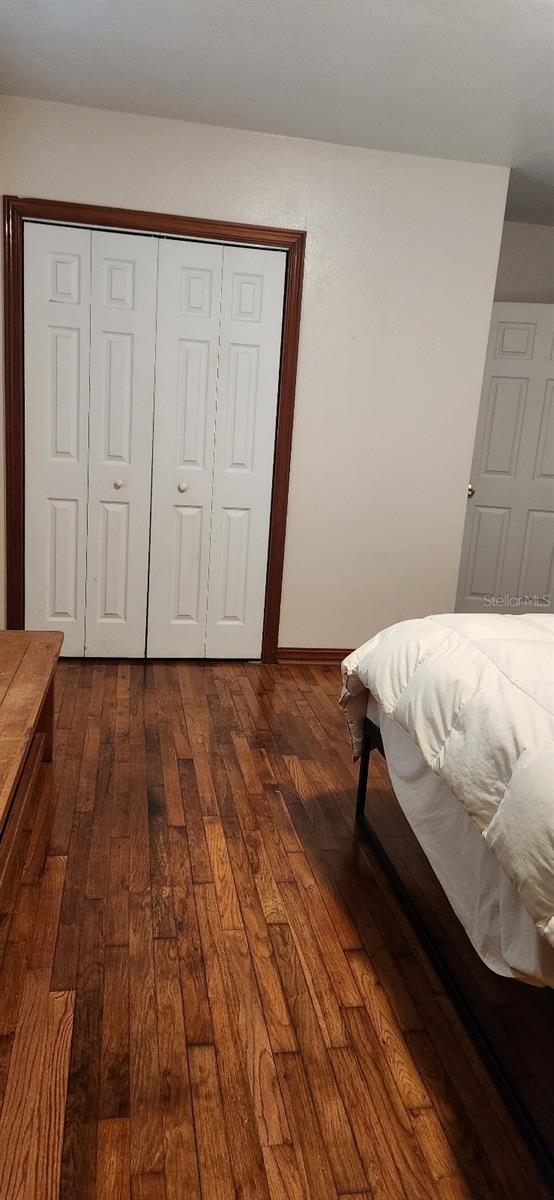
column 17, row 209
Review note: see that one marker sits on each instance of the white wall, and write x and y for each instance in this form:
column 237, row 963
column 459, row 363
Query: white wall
column 401, row 261
column 526, row 264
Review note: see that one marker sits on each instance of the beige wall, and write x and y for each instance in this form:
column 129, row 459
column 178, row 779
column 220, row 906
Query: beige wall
column 526, row 264
column 401, row 261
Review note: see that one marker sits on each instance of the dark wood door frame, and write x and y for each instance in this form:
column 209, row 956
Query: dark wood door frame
column 18, row 209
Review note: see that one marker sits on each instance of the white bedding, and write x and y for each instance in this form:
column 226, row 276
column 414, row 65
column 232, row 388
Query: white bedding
column 474, row 692
column 483, row 898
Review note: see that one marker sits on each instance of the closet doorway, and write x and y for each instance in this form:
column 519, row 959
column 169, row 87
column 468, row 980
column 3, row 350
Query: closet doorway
column 155, row 419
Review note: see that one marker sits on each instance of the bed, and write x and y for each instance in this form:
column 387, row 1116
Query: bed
column 485, row 900
column 461, row 705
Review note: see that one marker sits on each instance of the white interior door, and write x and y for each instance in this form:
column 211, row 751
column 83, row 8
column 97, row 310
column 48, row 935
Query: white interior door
column 57, row 337
column 123, row 325
column 189, row 296
column 508, row 545
column 251, row 320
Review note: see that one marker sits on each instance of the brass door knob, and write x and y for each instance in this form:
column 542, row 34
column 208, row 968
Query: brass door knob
column 470, row 491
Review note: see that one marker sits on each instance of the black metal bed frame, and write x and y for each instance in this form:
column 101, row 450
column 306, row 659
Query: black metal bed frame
column 542, row 1154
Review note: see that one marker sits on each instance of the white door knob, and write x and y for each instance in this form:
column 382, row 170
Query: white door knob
column 119, row 483
column 182, row 487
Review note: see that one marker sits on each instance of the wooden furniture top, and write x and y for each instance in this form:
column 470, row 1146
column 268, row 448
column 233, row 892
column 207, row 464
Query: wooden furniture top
column 27, row 665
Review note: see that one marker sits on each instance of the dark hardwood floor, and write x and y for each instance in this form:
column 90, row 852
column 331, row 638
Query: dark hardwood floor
column 207, row 987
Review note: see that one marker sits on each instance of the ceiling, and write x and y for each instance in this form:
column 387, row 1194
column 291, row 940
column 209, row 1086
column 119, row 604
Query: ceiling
column 464, row 79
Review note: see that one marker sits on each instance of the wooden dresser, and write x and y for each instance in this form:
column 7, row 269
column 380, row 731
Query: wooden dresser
column 27, row 669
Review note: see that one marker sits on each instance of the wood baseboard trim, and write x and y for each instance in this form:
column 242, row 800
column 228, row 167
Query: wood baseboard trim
column 292, row 654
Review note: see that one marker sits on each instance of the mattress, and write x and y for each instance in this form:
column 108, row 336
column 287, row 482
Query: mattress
column 485, row 901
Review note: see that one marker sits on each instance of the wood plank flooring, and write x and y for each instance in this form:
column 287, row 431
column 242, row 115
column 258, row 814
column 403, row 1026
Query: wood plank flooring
column 207, row 988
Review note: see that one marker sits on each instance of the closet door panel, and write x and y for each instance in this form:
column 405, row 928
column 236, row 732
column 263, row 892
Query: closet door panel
column 189, row 295
column 123, row 323
column 57, row 337
column 251, row 321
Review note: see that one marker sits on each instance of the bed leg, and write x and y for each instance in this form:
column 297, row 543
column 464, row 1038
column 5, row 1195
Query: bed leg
column 362, row 778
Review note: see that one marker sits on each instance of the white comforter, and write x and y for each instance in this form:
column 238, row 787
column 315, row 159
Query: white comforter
column 475, row 692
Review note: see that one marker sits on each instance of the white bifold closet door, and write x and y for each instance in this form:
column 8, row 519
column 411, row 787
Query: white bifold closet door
column 251, row 316
column 122, row 349
column 217, row 376
column 151, row 380
column 90, row 319
column 57, row 340
column 189, row 300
